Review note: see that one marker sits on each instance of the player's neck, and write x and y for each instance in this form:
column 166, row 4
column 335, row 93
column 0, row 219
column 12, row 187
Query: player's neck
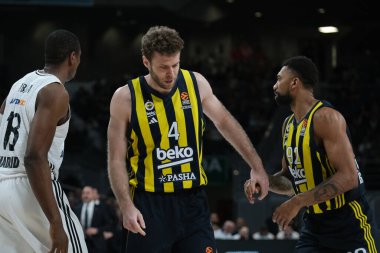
column 302, row 105
column 54, row 71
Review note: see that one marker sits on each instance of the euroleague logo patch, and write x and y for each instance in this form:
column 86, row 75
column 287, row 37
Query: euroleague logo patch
column 184, row 95
column 185, row 100
column 209, row 250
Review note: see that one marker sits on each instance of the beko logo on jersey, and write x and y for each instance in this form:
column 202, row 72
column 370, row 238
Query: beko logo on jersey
column 177, row 177
column 181, row 154
column 17, row 101
column 298, row 175
column 174, row 153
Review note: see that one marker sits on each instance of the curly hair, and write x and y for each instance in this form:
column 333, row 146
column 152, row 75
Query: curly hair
column 161, row 39
column 305, row 69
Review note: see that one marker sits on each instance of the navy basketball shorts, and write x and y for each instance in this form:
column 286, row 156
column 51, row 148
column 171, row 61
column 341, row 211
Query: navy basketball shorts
column 175, row 222
column 349, row 229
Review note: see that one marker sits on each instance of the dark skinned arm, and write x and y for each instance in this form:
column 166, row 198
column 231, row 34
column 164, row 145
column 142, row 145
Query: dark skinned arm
column 52, row 106
column 330, row 131
column 2, row 108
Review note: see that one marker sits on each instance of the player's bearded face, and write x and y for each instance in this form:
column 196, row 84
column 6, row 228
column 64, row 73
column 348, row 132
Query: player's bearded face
column 164, row 69
column 282, row 87
column 163, row 82
column 283, row 99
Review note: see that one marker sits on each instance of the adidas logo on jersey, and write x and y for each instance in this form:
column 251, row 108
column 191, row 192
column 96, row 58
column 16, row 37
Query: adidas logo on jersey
column 152, row 121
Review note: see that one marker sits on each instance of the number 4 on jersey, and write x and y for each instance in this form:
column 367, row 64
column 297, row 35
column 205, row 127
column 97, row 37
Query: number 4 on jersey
column 173, row 131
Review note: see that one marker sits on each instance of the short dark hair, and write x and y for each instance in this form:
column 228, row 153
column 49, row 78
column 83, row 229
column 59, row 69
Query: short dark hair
column 305, row 68
column 59, row 45
column 161, row 39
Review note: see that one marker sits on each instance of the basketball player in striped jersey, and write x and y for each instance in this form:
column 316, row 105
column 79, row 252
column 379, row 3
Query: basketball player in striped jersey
column 35, row 215
column 318, row 156
column 155, row 137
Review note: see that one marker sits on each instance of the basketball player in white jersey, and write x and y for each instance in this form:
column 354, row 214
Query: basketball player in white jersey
column 35, row 215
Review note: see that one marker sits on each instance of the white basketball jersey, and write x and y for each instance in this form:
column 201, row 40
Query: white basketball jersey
column 15, row 125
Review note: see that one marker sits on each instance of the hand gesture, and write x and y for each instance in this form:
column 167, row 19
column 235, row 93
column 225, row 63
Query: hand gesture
column 133, row 220
column 60, row 242
column 256, row 187
column 284, row 214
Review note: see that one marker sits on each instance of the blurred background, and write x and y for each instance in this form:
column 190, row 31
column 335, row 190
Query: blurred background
column 238, row 45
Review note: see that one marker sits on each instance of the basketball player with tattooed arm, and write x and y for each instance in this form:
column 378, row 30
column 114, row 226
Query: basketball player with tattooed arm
column 318, row 156
column 155, row 137
column 35, row 215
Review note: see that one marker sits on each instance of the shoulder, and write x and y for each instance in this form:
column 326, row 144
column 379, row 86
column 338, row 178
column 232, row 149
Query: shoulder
column 122, row 93
column 201, row 80
column 53, row 93
column 328, row 122
column 54, row 87
column 203, row 86
column 327, row 116
column 120, row 106
column 199, row 77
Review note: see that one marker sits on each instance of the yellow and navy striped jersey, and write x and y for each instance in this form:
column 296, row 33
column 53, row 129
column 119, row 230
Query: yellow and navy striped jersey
column 308, row 163
column 165, row 136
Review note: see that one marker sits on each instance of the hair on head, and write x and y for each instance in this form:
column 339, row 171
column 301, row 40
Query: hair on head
column 59, row 45
column 305, row 68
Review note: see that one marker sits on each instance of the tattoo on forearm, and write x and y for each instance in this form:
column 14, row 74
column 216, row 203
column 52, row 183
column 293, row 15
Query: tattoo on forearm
column 326, row 191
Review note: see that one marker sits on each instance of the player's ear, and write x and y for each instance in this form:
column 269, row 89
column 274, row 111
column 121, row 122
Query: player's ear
column 145, row 61
column 295, row 82
column 72, row 57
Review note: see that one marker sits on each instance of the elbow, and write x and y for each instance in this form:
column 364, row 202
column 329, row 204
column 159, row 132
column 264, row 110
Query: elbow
column 355, row 183
column 352, row 182
column 222, row 120
column 31, row 161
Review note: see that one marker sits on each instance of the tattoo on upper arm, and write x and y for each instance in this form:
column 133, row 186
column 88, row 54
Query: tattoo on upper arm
column 326, row 191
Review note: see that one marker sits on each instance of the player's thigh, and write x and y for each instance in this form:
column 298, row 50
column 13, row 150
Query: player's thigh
column 27, row 217
column 10, row 240
column 155, row 242
column 307, row 243
column 200, row 242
